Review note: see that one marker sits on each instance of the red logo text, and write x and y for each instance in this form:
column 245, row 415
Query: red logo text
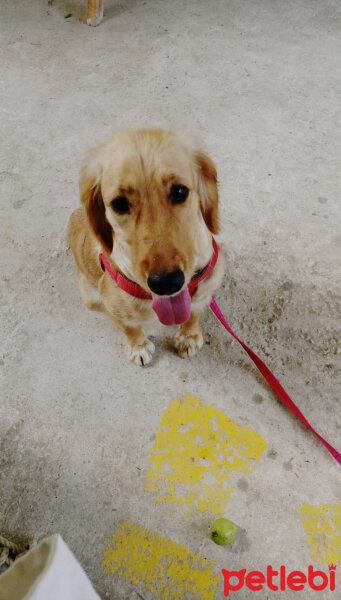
column 279, row 580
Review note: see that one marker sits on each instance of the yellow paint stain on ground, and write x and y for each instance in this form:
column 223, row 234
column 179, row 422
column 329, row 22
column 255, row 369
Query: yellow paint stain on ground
column 322, row 524
column 195, row 451
column 168, row 570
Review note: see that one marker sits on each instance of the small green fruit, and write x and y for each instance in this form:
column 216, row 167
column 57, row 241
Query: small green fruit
column 223, row 532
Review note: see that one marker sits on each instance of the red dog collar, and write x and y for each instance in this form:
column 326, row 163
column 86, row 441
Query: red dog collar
column 134, row 289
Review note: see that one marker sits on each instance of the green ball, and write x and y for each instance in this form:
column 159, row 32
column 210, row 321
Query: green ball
column 223, row 532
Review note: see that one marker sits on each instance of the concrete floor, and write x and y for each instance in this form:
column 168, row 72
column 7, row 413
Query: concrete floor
column 258, row 82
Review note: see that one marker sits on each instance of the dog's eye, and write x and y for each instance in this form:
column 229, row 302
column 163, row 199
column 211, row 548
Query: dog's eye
column 120, row 205
column 179, row 193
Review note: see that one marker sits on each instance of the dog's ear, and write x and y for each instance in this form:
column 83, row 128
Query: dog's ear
column 208, row 190
column 91, row 197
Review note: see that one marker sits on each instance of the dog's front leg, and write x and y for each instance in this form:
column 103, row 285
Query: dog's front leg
column 189, row 339
column 139, row 348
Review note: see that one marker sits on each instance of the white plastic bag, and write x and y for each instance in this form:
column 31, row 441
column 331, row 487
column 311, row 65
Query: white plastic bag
column 47, row 572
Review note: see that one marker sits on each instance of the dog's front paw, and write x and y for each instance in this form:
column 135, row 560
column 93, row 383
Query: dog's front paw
column 187, row 345
column 142, row 353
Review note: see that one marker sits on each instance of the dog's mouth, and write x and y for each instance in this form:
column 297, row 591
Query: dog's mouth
column 173, row 310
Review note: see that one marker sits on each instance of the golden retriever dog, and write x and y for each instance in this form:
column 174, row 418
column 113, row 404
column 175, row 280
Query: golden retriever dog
column 149, row 205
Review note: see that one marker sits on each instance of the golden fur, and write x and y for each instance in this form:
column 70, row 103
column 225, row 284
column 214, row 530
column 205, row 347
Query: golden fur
column 142, row 165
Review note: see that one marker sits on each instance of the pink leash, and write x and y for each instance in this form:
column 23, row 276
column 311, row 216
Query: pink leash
column 136, row 290
column 273, row 382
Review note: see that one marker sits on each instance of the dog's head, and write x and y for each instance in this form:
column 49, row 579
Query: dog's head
column 151, row 198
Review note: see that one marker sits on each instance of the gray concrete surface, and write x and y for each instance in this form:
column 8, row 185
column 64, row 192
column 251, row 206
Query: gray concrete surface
column 258, row 81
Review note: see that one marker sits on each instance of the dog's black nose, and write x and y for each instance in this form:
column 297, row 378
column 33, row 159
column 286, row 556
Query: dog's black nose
column 166, row 284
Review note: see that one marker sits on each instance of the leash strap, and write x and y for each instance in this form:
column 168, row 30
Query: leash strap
column 123, row 282
column 273, row 382
column 193, row 284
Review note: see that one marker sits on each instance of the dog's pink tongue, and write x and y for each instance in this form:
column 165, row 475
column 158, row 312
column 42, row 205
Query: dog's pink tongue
column 173, row 310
